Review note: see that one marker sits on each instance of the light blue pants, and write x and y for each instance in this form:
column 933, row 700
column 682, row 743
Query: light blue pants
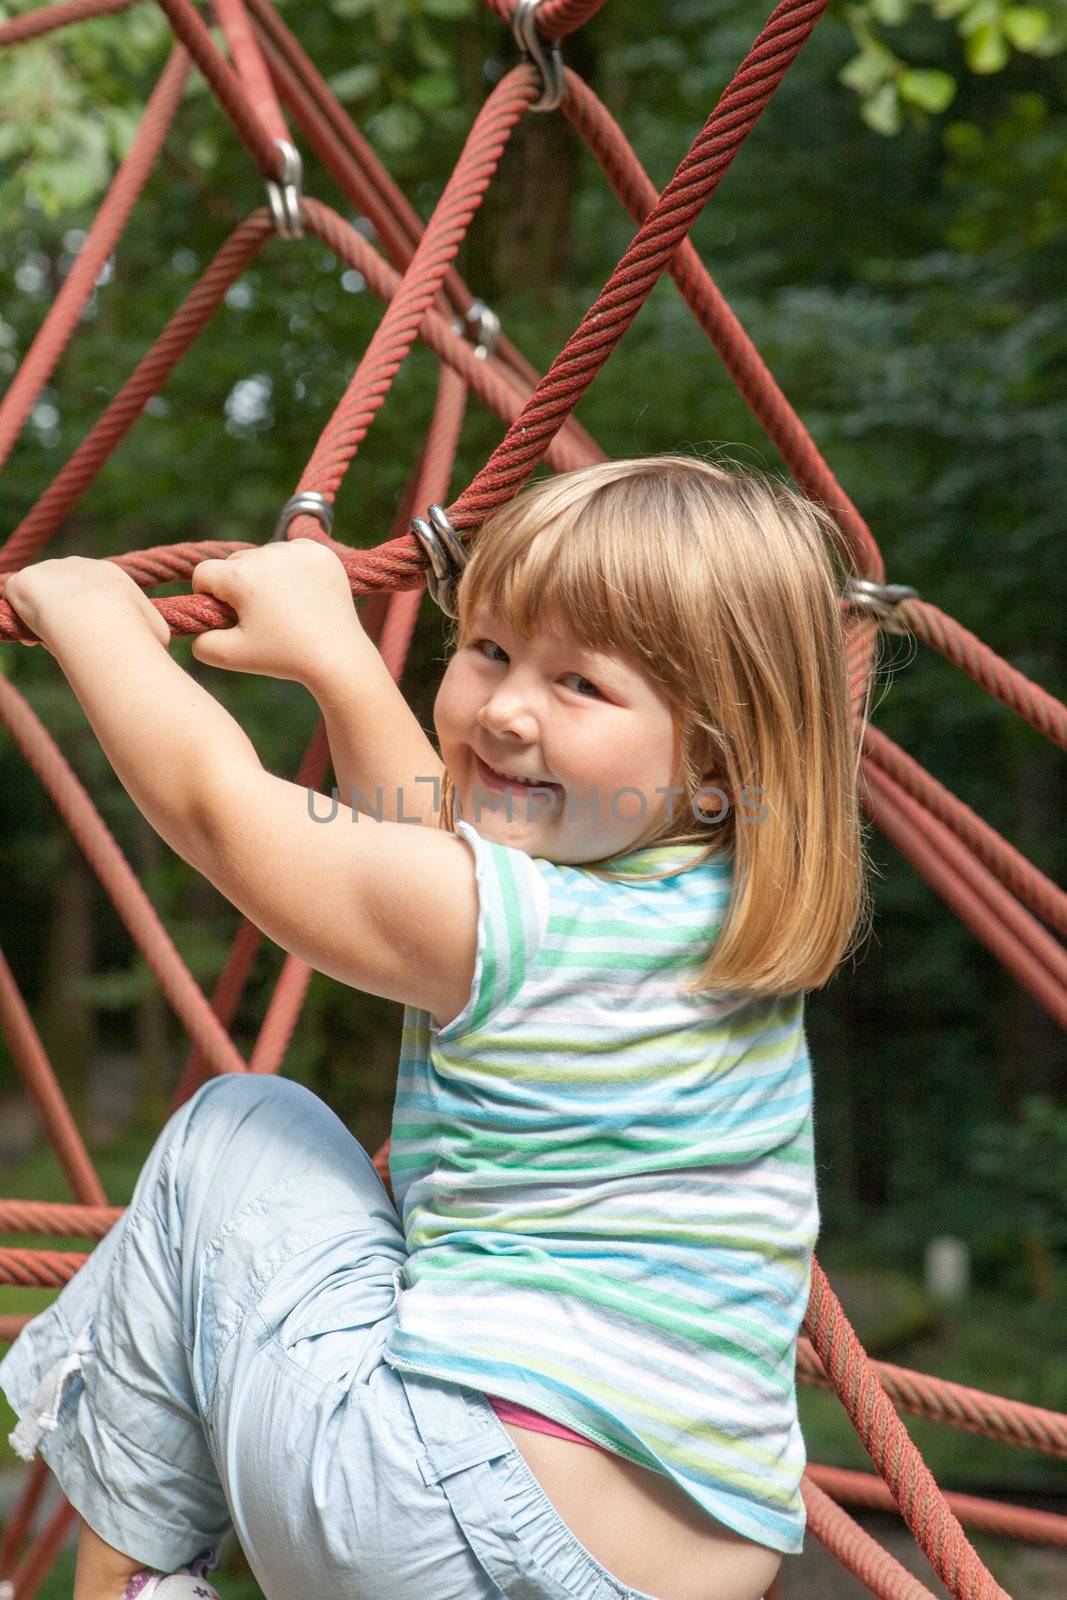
column 217, row 1364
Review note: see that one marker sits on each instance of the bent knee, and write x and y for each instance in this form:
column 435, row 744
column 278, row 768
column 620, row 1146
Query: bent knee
column 241, row 1132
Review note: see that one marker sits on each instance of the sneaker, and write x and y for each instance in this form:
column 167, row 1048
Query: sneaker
column 184, row 1585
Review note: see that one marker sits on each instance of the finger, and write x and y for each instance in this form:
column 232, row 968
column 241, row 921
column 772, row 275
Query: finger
column 203, row 648
column 211, row 648
column 211, row 576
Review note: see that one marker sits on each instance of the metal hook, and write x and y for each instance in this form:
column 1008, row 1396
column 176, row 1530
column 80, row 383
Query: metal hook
column 285, row 196
column 880, row 600
column 543, row 53
column 447, row 553
column 305, row 504
column 482, row 327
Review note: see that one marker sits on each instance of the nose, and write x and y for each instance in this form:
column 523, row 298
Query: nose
column 510, row 712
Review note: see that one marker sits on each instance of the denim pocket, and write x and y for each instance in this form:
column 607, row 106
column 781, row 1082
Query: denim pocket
column 325, row 1333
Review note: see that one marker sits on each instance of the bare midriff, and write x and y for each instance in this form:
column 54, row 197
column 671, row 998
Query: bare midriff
column 643, row 1528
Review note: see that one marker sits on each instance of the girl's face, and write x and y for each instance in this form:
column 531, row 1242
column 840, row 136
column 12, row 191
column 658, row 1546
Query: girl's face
column 555, row 749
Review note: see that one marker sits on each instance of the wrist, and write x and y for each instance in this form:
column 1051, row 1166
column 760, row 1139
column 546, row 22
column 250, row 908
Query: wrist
column 331, row 673
column 67, row 623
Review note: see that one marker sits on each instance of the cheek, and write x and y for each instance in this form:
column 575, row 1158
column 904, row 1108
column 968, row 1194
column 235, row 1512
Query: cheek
column 446, row 712
column 456, row 701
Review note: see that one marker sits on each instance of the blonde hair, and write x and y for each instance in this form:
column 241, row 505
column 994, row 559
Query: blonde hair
column 719, row 585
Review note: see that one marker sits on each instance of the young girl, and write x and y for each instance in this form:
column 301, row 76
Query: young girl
column 563, row 1367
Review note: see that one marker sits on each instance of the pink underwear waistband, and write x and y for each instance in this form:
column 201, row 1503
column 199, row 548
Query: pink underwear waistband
column 522, row 1417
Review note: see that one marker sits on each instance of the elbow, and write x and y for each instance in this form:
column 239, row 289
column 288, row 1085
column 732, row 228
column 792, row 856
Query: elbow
column 209, row 814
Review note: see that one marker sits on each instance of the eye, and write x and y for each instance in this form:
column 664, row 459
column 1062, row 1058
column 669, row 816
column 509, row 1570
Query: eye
column 486, row 648
column 582, row 685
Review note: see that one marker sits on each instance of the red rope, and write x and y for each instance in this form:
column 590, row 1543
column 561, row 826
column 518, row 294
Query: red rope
column 1008, row 864
column 191, row 29
column 16, row 30
column 966, row 651
column 886, row 1441
column 63, row 1221
column 754, row 380
column 42, row 1085
column 990, row 1516
column 148, row 378
column 955, row 1405
column 36, row 1563
column 436, row 249
column 1013, row 935
column 860, row 1554
column 62, row 318
column 111, row 867
column 250, row 67
column 666, row 225
column 555, row 18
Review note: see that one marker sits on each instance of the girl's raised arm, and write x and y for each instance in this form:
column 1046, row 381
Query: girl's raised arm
column 384, row 907
column 296, row 620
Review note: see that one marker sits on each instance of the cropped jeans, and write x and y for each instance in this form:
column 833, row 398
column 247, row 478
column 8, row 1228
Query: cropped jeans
column 217, row 1367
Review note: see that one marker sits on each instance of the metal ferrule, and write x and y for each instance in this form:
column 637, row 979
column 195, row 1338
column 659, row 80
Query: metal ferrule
column 482, row 327
column 879, row 600
column 448, row 557
column 285, row 195
column 306, row 504
column 543, row 53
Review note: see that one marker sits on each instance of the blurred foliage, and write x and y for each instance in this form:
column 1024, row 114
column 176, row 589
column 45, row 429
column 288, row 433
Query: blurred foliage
column 907, row 291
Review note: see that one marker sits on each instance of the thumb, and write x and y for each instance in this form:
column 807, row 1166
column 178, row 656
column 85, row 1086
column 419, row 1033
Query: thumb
column 216, row 647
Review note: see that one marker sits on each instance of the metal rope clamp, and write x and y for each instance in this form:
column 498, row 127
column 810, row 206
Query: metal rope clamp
column 543, row 53
column 285, row 195
column 482, row 328
column 447, row 553
column 879, row 600
column 306, row 504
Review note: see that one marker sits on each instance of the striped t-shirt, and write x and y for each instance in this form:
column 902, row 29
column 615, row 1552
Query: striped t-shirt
column 608, row 1187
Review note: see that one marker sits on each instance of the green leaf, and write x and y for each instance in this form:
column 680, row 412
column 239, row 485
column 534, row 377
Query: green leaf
column 61, row 183
column 964, row 139
column 987, row 49
column 890, row 12
column 431, row 91
column 980, row 14
column 395, row 129
column 121, row 123
column 355, row 82
column 352, row 8
column 882, row 111
column 927, row 88
column 867, row 72
column 1025, row 26
column 453, row 10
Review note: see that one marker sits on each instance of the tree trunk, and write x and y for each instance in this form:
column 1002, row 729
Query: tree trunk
column 152, row 1033
column 67, row 1023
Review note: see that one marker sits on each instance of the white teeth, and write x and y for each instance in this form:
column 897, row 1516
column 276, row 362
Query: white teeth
column 515, row 777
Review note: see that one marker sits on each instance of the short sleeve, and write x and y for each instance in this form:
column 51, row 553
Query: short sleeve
column 512, row 918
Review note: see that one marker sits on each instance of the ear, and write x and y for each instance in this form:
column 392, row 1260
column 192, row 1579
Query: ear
column 713, row 799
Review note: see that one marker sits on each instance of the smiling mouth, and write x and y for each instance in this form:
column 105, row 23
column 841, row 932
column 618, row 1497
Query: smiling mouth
column 502, row 781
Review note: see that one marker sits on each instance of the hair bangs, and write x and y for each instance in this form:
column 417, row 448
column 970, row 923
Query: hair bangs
column 539, row 571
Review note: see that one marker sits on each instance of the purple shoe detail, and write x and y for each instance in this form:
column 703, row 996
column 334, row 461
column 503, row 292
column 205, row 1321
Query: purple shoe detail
column 182, row 1585
column 137, row 1584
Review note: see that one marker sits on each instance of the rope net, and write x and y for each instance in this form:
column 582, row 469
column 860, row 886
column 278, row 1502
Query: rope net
column 267, row 86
